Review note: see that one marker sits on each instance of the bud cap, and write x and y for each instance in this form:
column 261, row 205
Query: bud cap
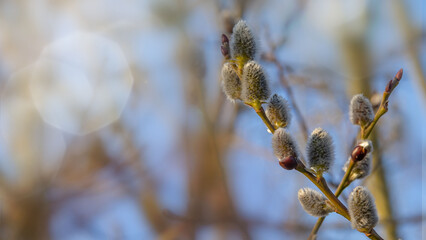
column 361, row 168
column 288, row 163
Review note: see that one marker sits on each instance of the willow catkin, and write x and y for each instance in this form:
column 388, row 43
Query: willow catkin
column 362, row 209
column 243, row 43
column 360, row 110
column 320, row 150
column 254, row 84
column 231, row 84
column 278, row 111
column 284, row 145
column 314, row 202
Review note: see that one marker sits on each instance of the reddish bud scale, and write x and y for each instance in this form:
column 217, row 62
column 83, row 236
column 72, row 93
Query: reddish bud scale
column 225, row 49
column 388, row 86
column 225, row 39
column 358, row 153
column 288, row 163
column 398, row 75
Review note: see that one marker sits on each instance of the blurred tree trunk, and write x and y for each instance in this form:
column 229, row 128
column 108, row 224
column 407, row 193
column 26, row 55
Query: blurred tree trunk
column 26, row 217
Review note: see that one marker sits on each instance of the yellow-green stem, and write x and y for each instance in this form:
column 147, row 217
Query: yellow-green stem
column 365, row 133
column 343, row 184
column 261, row 112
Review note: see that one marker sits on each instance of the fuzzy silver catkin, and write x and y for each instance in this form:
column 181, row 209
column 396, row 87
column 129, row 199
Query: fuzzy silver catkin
column 278, row 111
column 361, row 169
column 254, row 84
column 320, row 150
column 367, row 145
column 243, row 43
column 360, row 110
column 362, row 209
column 314, row 202
column 284, row 145
column 231, row 84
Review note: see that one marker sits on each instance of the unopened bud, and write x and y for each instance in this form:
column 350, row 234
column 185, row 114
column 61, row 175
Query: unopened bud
column 231, row 84
column 243, row 44
column 225, row 47
column 358, row 153
column 362, row 210
column 225, row 39
column 320, row 151
column 398, row 75
column 278, row 111
column 360, row 110
column 361, row 169
column 288, row 163
column 388, row 86
column 314, row 202
column 284, row 145
column 254, row 84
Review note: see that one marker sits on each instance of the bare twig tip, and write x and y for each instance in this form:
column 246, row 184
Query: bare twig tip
column 398, row 75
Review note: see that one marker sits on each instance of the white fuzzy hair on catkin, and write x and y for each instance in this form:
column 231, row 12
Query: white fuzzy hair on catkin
column 231, row 84
column 243, row 42
column 254, row 84
column 320, row 150
column 360, row 110
column 278, row 111
column 283, row 144
column 362, row 209
column 314, row 202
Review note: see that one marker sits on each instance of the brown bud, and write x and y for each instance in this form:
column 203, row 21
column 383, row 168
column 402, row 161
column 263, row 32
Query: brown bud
column 288, row 163
column 225, row 49
column 398, row 75
column 225, row 39
column 388, row 86
column 358, row 153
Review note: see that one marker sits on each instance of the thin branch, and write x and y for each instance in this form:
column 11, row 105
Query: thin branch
column 365, row 133
column 271, row 57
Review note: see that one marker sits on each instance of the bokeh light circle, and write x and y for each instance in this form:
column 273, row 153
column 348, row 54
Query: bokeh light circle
column 81, row 83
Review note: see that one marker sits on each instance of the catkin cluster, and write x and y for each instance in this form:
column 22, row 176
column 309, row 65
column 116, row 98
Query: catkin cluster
column 244, row 79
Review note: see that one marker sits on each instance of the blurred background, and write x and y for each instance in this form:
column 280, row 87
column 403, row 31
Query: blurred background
column 113, row 124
